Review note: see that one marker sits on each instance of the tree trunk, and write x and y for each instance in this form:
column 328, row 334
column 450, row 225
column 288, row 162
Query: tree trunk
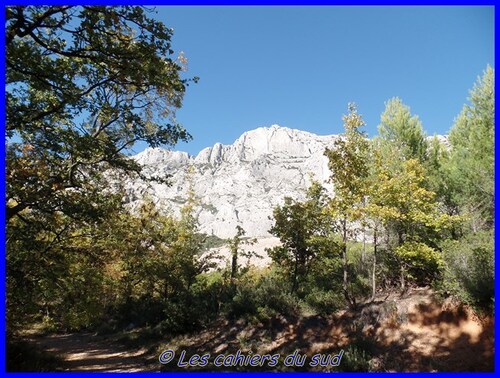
column 234, row 265
column 363, row 253
column 295, row 274
column 403, row 285
column 402, row 268
column 345, row 282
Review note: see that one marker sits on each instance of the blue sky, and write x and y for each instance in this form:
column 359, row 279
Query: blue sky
column 300, row 66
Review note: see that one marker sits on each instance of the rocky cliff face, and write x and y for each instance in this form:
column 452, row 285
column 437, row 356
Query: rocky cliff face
column 237, row 184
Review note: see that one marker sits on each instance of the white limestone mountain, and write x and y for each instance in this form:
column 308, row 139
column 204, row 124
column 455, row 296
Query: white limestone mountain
column 237, row 184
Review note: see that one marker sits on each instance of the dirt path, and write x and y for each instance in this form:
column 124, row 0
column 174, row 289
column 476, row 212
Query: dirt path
column 402, row 333
column 87, row 352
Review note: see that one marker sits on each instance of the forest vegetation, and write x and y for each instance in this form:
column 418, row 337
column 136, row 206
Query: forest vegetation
column 83, row 84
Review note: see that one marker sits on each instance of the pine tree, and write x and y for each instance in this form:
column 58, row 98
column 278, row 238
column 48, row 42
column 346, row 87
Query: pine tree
column 471, row 168
column 401, row 133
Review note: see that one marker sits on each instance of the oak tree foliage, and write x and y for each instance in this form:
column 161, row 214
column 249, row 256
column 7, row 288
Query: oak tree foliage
column 83, row 84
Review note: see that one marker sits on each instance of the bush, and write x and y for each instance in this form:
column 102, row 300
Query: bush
column 262, row 298
column 469, row 270
column 274, row 294
column 324, row 302
column 422, row 262
column 355, row 359
column 243, row 303
column 209, row 291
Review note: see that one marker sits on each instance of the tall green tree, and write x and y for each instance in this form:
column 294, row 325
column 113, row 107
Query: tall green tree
column 409, row 215
column 471, row 168
column 234, row 245
column 348, row 163
column 401, row 133
column 302, row 228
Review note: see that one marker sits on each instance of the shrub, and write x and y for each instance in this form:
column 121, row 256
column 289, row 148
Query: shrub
column 355, row 359
column 469, row 270
column 274, row 294
column 422, row 262
column 324, row 302
column 262, row 298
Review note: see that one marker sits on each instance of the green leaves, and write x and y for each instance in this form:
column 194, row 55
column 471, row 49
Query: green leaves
column 304, row 229
column 471, row 161
column 348, row 164
column 84, row 84
column 401, row 134
column 422, row 262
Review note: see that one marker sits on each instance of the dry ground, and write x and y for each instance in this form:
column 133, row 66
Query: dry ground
column 413, row 332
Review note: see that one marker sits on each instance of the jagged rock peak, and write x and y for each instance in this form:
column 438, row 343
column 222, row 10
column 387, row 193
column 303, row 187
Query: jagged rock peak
column 251, row 144
column 239, row 183
column 159, row 155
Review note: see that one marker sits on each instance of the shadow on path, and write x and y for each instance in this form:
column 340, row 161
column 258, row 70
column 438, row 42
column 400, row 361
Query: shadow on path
column 87, row 352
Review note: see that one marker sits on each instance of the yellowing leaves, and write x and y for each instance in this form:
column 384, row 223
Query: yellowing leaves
column 419, row 255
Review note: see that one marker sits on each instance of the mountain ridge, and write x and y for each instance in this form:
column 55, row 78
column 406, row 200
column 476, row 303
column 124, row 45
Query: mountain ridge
column 237, row 184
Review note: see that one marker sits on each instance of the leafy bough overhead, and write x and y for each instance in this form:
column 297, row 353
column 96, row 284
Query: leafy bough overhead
column 83, row 85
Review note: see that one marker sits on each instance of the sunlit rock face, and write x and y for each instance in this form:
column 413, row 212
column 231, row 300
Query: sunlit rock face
column 241, row 183
column 237, row 184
